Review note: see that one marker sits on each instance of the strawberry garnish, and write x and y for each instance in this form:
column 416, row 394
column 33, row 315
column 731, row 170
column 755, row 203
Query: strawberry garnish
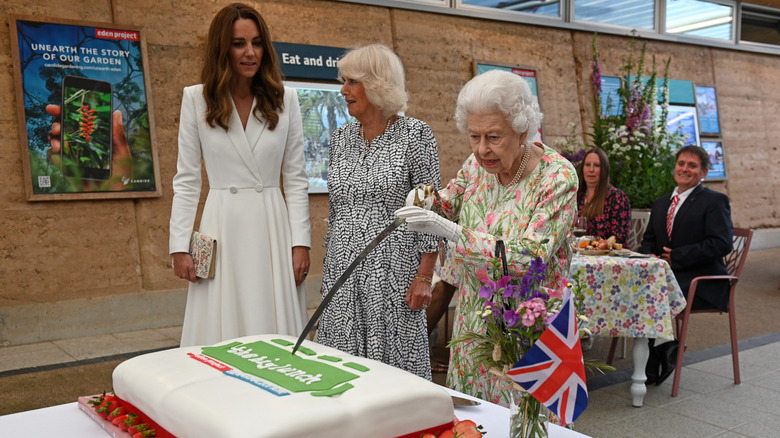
column 119, row 410
column 108, row 406
column 466, row 429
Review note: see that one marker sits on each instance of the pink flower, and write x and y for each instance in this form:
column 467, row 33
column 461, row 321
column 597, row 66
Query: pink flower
column 491, row 217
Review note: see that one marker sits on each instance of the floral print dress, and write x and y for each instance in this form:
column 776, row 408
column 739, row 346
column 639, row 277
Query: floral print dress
column 533, row 218
column 616, row 220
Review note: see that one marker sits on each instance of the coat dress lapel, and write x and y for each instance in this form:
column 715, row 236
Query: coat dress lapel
column 239, row 138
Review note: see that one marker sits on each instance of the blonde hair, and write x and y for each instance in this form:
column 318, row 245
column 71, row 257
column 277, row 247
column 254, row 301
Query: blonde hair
column 381, row 72
column 499, row 91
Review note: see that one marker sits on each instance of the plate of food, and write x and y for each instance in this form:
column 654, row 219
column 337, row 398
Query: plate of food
column 598, row 246
column 593, row 252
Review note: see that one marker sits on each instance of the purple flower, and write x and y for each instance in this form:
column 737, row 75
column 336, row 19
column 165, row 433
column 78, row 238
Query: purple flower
column 488, row 289
column 511, row 291
column 511, row 318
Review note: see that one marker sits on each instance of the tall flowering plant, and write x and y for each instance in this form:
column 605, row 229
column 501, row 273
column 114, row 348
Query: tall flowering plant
column 633, row 130
column 515, row 314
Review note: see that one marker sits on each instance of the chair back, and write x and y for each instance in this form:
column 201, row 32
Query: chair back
column 735, row 260
column 639, row 221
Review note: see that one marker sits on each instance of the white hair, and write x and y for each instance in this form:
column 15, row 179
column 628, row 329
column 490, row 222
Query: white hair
column 503, row 92
column 381, row 72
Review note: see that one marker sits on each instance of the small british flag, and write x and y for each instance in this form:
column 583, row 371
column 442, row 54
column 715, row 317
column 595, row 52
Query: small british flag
column 553, row 370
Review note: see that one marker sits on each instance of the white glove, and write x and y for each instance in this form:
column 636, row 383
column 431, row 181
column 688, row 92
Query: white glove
column 420, row 194
column 426, row 221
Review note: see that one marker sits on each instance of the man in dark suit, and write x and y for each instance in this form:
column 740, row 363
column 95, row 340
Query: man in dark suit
column 691, row 229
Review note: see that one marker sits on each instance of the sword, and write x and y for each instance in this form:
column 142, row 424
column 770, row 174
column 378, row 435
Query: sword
column 341, row 280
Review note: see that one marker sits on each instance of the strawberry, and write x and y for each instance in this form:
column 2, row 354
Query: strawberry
column 130, row 420
column 428, row 435
column 447, row 434
column 145, row 434
column 97, row 400
column 132, row 430
column 466, row 429
column 119, row 410
column 107, row 407
column 119, row 419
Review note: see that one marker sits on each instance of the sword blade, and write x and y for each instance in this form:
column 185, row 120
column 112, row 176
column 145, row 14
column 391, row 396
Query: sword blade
column 343, row 278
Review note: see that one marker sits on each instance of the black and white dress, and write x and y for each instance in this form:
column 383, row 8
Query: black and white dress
column 368, row 317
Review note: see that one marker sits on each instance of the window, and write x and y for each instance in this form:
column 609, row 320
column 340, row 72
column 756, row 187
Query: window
column 716, row 23
column 760, row 25
column 700, row 18
column 637, row 14
column 550, row 8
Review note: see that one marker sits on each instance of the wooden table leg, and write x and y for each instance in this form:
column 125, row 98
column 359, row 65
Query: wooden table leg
column 641, row 352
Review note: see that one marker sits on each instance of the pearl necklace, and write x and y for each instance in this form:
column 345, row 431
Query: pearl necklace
column 519, row 174
column 366, row 143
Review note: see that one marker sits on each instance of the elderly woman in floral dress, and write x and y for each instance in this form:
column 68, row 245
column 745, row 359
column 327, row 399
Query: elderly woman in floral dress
column 509, row 189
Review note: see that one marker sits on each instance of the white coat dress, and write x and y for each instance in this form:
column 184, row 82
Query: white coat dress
column 253, row 290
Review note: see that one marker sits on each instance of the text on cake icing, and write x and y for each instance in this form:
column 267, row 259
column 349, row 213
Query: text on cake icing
column 264, row 363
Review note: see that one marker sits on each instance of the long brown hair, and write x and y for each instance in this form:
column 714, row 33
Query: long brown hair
column 217, row 73
column 594, row 207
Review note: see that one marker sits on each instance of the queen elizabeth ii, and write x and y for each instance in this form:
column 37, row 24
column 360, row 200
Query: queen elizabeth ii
column 510, row 189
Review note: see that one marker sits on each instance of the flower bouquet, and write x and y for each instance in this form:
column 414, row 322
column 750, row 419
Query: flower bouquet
column 516, row 315
column 633, row 130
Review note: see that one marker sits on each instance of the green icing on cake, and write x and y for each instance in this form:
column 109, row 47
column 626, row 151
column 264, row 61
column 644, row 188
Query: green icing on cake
column 307, row 351
column 335, row 391
column 280, row 367
column 356, row 366
column 283, row 342
column 330, row 358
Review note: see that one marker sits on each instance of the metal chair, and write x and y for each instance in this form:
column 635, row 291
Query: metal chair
column 734, row 263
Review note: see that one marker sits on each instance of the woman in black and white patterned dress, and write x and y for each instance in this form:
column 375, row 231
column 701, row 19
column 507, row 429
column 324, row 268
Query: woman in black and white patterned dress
column 374, row 163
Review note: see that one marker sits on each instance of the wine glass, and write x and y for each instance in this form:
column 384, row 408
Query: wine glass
column 580, row 226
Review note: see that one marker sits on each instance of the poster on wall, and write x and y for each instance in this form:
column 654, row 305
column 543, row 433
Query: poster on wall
column 85, row 118
column 530, row 74
column 682, row 119
column 323, row 109
column 707, row 107
column 717, row 171
column 610, row 98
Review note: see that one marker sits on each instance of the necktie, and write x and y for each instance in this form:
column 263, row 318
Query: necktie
column 670, row 216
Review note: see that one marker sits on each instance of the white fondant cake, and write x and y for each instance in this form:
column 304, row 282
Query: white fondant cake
column 253, row 387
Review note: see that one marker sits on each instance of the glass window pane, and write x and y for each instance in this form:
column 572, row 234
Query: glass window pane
column 760, row 25
column 550, row 8
column 637, row 14
column 699, row 18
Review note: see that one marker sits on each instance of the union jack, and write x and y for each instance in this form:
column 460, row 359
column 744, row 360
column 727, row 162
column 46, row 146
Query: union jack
column 553, row 370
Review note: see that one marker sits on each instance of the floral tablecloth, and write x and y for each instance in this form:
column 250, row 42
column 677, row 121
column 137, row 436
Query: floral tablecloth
column 634, row 298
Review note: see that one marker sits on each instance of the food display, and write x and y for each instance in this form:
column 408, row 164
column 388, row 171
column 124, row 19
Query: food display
column 598, row 246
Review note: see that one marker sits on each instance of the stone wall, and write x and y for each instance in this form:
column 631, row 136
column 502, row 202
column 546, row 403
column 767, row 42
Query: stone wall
column 63, row 255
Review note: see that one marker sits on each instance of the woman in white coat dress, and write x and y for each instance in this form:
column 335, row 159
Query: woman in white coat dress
column 246, row 126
